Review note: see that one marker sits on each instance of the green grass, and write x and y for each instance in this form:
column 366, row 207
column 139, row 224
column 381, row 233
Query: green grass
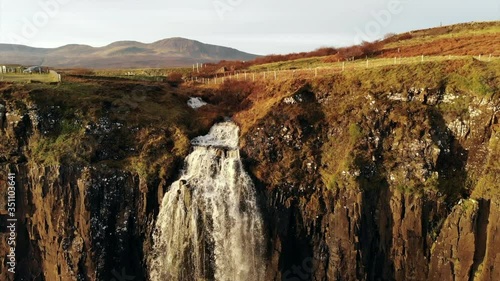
column 299, row 64
column 156, row 124
column 488, row 184
column 141, row 74
column 355, row 132
column 53, row 151
column 311, row 66
column 457, row 31
column 350, row 92
column 64, row 147
column 458, row 75
column 474, row 32
column 27, row 78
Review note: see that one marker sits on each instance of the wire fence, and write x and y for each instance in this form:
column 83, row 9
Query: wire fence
column 325, row 69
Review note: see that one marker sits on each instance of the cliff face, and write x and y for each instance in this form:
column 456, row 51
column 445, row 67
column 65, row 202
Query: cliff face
column 89, row 180
column 399, row 193
column 370, row 182
column 79, row 221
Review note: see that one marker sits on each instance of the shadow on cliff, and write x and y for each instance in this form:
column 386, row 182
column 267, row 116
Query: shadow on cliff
column 453, row 181
column 282, row 153
column 376, row 260
column 375, row 231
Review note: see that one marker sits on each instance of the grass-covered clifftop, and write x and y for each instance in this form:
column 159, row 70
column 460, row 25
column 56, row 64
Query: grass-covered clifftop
column 145, row 125
column 399, row 120
column 139, row 126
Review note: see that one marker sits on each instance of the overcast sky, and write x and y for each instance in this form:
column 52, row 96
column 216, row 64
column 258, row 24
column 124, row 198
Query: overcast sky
column 255, row 26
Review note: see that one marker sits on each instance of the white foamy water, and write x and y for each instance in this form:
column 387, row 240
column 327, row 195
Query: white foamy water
column 209, row 226
column 196, row 103
column 223, row 134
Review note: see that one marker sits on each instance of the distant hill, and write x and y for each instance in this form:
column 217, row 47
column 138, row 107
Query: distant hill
column 122, row 54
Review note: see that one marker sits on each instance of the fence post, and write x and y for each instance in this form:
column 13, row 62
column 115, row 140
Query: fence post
column 316, row 72
column 489, row 59
column 366, row 63
column 343, row 65
column 422, row 58
column 275, row 75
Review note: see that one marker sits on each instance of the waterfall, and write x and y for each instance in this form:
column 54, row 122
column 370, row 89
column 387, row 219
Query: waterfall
column 209, row 226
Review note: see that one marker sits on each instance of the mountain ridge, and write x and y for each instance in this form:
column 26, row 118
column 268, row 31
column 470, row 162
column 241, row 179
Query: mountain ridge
column 169, row 52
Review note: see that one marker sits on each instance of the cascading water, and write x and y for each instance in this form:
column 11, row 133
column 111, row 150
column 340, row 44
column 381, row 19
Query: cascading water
column 209, row 226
